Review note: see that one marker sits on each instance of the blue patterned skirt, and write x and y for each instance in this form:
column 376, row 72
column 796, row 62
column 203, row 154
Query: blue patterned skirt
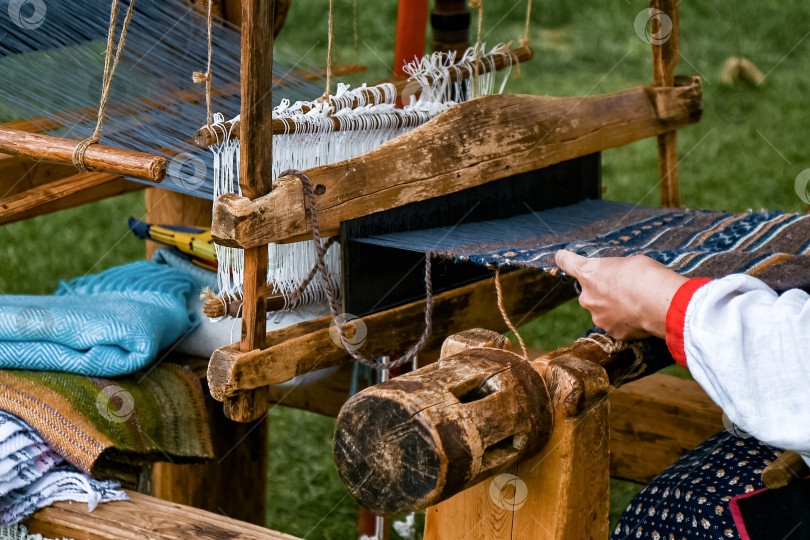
column 690, row 500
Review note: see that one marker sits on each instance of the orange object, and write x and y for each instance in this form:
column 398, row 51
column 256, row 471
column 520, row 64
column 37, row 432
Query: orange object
column 412, row 18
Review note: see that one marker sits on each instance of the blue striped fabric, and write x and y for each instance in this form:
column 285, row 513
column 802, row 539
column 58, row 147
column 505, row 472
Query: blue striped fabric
column 107, row 324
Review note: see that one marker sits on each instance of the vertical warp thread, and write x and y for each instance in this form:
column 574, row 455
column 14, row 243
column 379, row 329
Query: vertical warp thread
column 110, row 64
column 506, row 318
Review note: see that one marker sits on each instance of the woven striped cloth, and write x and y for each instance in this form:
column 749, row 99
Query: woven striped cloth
column 772, row 246
column 110, row 427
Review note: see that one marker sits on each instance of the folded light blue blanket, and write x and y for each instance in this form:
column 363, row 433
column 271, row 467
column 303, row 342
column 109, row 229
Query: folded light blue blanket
column 107, row 324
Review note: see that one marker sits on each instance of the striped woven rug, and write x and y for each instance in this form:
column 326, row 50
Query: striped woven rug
column 106, row 426
column 773, row 246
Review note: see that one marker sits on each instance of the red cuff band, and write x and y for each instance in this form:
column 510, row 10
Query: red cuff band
column 676, row 317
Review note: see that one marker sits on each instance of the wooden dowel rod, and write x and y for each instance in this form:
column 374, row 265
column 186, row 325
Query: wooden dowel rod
column 221, row 306
column 206, row 136
column 98, row 157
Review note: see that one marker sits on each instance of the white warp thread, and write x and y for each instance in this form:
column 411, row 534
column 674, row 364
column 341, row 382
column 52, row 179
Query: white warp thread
column 311, row 141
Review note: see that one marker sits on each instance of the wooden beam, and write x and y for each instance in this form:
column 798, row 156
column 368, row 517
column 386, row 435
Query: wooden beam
column 32, row 202
column 141, row 517
column 98, row 157
column 309, row 346
column 473, row 143
column 665, row 38
column 207, row 136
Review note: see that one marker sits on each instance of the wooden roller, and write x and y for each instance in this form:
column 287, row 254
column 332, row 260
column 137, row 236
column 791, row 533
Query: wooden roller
column 421, row 438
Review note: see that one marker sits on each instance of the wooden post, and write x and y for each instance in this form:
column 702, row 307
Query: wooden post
column 450, row 20
column 234, row 483
column 255, row 179
column 665, row 40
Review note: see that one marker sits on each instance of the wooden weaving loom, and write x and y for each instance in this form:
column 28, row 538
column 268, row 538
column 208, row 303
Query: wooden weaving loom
column 510, row 138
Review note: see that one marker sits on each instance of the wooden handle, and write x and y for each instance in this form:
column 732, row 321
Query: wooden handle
column 781, row 472
column 98, row 157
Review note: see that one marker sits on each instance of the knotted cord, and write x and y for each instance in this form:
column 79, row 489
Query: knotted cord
column 110, row 64
column 320, row 248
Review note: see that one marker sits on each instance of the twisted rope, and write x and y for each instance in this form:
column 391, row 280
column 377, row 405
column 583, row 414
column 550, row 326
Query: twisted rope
column 110, row 64
column 199, row 77
column 320, row 266
column 480, row 5
column 524, row 41
column 505, row 316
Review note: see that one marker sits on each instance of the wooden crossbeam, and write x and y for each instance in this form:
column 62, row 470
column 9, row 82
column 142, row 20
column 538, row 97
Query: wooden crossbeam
column 309, row 346
column 119, row 161
column 479, row 141
column 65, row 193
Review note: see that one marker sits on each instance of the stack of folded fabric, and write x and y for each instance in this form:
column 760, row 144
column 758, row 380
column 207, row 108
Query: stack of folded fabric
column 85, row 394
column 32, row 475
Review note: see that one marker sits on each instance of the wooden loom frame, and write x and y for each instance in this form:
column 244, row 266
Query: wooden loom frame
column 239, row 374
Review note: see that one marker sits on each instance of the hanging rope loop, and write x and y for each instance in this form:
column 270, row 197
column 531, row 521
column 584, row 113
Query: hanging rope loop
column 110, row 64
column 320, row 266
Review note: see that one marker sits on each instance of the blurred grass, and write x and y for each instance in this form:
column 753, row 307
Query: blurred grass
column 745, row 153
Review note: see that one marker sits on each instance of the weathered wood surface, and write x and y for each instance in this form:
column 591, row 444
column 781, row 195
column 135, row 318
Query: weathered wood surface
column 666, row 55
column 98, row 157
column 562, row 492
column 206, row 136
column 68, row 192
column 255, row 179
column 408, row 442
column 139, row 518
column 473, row 143
column 308, row 346
column 425, row 436
column 786, row 468
column 656, row 420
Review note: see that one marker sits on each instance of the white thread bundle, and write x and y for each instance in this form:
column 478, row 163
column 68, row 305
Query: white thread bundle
column 310, row 140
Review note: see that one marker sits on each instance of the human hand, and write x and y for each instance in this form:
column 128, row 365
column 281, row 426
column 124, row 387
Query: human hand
column 627, row 297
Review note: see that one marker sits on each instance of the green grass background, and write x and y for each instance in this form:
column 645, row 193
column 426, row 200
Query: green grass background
column 745, row 153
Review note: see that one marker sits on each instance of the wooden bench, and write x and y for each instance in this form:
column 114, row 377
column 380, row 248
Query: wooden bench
column 142, row 517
